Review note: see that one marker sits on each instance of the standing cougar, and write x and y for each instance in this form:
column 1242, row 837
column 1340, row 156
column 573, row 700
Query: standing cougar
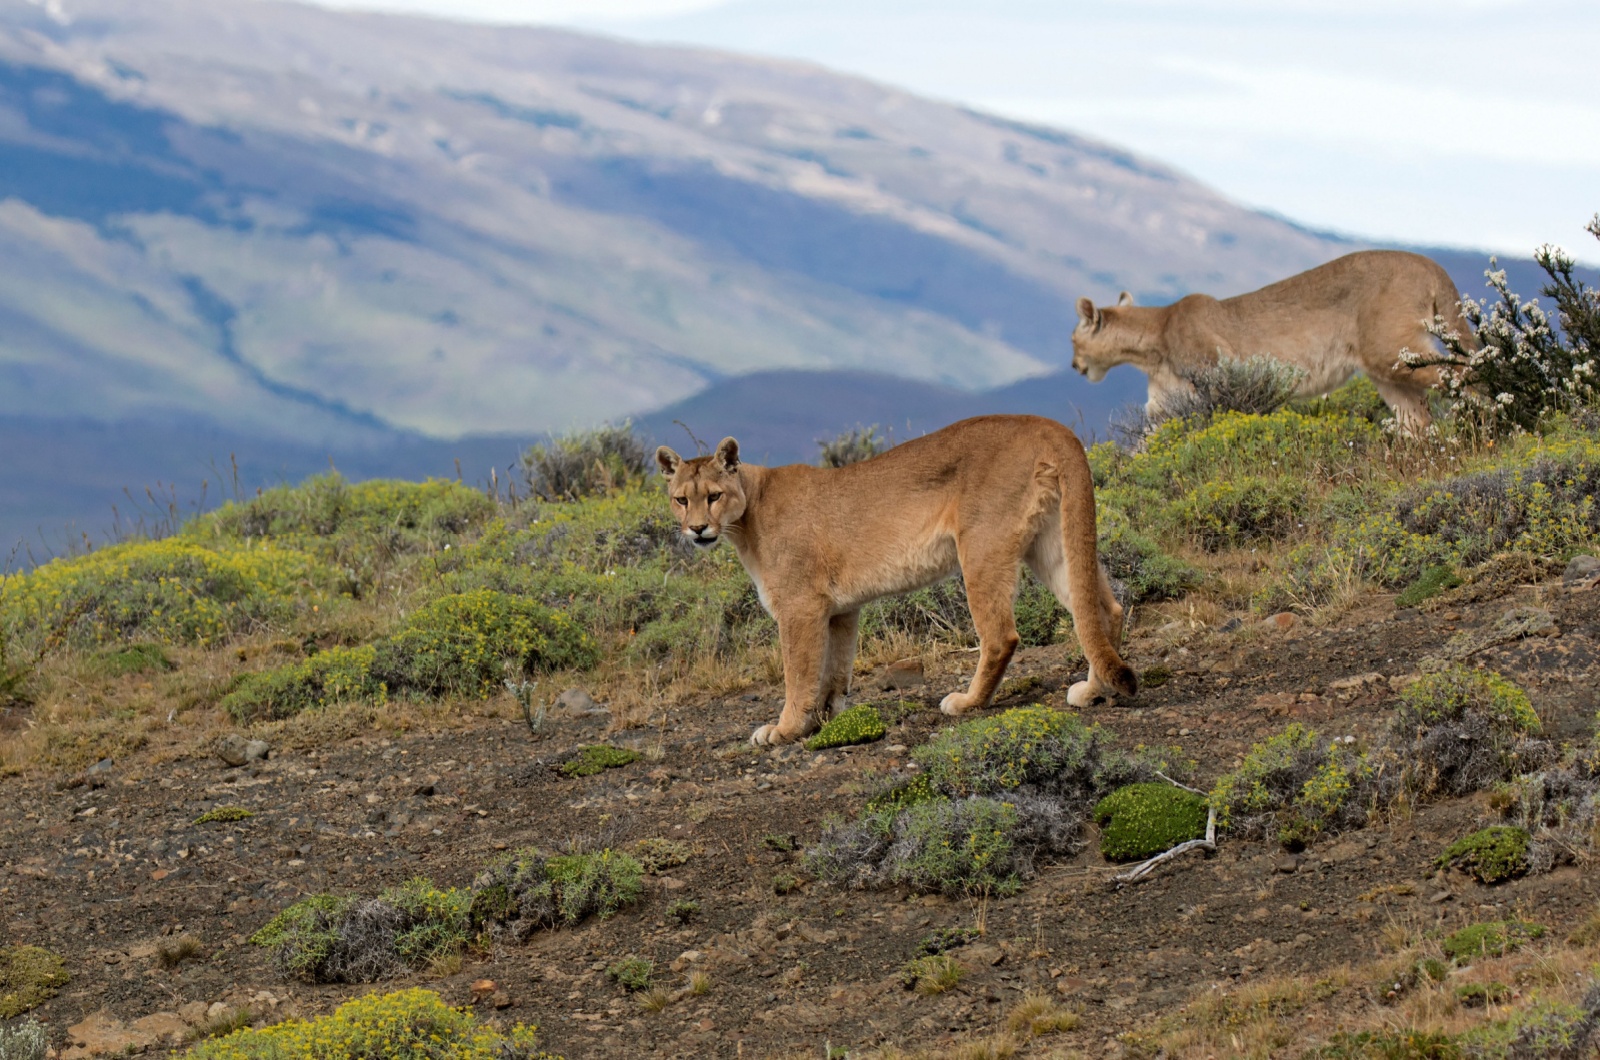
column 1354, row 314
column 983, row 496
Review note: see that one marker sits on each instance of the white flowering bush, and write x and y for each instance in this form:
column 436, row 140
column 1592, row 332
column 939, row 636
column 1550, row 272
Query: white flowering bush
column 1517, row 364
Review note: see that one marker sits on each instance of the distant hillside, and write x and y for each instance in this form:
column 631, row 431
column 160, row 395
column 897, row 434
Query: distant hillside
column 231, row 225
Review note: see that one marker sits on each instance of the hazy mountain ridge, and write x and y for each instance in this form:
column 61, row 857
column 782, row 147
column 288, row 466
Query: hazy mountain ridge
column 302, row 234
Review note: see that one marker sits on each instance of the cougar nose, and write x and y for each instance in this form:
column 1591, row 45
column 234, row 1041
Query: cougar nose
column 698, row 530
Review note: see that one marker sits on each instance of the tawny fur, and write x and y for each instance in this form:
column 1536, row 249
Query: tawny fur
column 983, row 496
column 1354, row 314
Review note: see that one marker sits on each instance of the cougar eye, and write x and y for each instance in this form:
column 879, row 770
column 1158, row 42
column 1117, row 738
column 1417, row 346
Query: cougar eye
column 682, row 502
column 712, row 498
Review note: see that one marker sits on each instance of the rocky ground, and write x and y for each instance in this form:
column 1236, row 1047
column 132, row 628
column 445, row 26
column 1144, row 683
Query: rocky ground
column 106, row 868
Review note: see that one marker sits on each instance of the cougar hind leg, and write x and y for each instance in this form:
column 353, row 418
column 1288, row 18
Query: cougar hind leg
column 1047, row 560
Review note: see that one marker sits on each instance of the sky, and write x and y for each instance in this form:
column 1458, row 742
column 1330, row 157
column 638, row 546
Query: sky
column 1470, row 123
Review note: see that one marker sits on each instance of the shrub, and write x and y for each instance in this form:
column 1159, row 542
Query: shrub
column 931, row 975
column 1460, row 730
column 1230, row 512
column 29, row 976
column 588, row 463
column 328, row 513
column 172, row 591
column 434, row 923
column 1177, row 458
column 25, row 1041
column 683, row 910
column 407, row 1025
column 656, row 854
column 933, row 612
column 1430, row 583
column 858, row 724
column 1296, row 782
column 1142, row 820
column 1253, row 386
column 597, row 758
column 1026, row 745
column 778, row 842
column 526, row 891
column 337, row 675
column 851, row 447
column 1493, row 939
column 976, row 845
column 632, row 973
column 785, row 883
column 1516, row 367
column 469, row 643
column 901, row 794
column 1138, row 562
column 1039, row 615
column 224, row 815
column 1490, row 854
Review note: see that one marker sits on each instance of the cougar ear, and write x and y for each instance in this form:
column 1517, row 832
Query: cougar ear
column 727, row 454
column 1125, row 298
column 1086, row 311
column 667, row 460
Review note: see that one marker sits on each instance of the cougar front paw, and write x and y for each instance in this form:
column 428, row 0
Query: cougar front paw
column 1088, row 694
column 769, row 736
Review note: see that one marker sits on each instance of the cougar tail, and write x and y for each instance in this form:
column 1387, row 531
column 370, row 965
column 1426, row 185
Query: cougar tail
column 1080, row 552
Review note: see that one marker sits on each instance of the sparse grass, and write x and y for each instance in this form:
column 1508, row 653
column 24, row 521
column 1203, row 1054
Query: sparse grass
column 683, row 910
column 1038, row 1014
column 785, row 883
column 699, row 984
column 779, row 842
column 932, row 975
column 654, row 999
column 944, row 939
column 172, row 952
column 1494, row 939
column 224, row 815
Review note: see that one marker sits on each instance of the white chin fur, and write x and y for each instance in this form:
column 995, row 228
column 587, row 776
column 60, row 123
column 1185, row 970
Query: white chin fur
column 1095, row 374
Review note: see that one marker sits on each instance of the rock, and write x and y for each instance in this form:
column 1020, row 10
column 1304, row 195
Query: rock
column 1582, row 572
column 578, row 703
column 1515, row 624
column 1350, row 687
column 904, row 673
column 1231, row 626
column 217, row 1011
column 1282, row 622
column 1286, row 863
column 425, row 790
column 482, row 988
column 257, row 751
column 102, row 766
column 159, row 1027
column 192, row 1012
column 500, row 999
column 231, row 749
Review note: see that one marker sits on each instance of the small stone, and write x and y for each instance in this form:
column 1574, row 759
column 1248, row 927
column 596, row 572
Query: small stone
column 482, row 988
column 1440, row 896
column 159, row 1027
column 257, row 751
column 500, row 999
column 231, row 749
column 904, row 673
column 1230, row 626
column 1580, row 571
column 1286, row 863
column 192, row 1012
column 1283, row 621
column 424, row 790
column 217, row 1010
column 160, row 874
column 102, row 766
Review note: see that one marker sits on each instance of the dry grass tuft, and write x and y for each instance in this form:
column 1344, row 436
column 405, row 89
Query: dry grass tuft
column 1038, row 1014
column 172, row 952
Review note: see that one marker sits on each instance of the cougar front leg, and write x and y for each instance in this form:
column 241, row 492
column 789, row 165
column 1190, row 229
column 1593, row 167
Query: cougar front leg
column 841, row 661
column 803, row 635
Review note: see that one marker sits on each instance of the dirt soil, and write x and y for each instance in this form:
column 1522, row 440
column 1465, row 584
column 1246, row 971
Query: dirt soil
column 101, row 867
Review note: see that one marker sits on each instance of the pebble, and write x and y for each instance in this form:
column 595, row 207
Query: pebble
column 235, row 750
column 1580, row 571
column 1283, row 621
column 904, row 673
column 1231, row 625
column 577, row 702
column 1287, row 863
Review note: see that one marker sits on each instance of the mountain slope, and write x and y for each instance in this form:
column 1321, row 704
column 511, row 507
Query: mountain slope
column 347, row 221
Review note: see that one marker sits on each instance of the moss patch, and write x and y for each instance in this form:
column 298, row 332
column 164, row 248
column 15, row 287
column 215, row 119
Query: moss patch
column 1142, row 820
column 29, row 976
column 224, row 815
column 597, row 758
column 859, row 724
column 1494, row 939
column 1491, row 854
